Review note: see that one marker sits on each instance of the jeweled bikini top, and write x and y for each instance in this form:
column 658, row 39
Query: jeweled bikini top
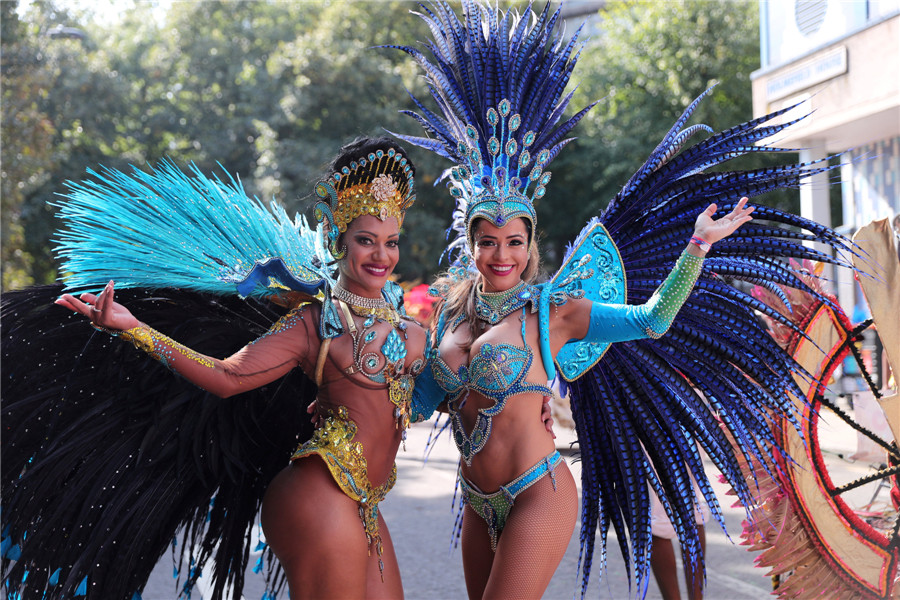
column 497, row 371
column 392, row 372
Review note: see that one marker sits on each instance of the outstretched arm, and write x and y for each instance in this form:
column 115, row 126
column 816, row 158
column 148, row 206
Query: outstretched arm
column 596, row 321
column 264, row 360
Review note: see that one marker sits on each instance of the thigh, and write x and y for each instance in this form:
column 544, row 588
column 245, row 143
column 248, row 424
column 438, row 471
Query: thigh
column 315, row 531
column 477, row 555
column 535, row 538
column 386, row 585
column 660, row 525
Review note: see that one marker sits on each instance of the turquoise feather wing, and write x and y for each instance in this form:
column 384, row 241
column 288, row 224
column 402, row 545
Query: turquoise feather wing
column 176, row 229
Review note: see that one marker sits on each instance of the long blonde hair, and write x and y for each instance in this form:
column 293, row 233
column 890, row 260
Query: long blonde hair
column 459, row 298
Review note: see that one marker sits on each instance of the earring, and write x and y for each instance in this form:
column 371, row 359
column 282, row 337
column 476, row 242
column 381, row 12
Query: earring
column 340, row 257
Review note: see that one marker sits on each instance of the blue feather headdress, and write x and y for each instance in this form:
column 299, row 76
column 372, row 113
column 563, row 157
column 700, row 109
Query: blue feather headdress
column 498, row 79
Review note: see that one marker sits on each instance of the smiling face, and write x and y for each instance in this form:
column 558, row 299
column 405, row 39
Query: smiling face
column 372, row 253
column 501, row 253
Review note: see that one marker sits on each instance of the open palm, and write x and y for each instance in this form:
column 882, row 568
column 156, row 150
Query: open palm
column 102, row 310
column 712, row 230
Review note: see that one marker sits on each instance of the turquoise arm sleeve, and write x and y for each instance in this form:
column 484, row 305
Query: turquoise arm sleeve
column 427, row 395
column 623, row 322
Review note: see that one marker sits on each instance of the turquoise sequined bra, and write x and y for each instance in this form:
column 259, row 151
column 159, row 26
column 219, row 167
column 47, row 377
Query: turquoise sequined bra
column 497, row 371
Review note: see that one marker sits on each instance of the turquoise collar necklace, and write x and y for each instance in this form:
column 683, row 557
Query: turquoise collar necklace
column 493, row 307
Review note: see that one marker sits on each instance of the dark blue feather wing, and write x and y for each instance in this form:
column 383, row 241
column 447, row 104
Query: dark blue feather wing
column 717, row 375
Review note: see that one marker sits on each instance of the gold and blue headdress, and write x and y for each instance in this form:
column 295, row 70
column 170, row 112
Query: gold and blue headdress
column 378, row 184
column 498, row 79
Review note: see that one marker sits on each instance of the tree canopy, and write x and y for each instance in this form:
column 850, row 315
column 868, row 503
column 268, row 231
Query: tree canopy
column 269, row 91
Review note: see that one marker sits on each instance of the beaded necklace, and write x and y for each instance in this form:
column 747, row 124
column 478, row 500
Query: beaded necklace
column 493, row 307
column 365, row 307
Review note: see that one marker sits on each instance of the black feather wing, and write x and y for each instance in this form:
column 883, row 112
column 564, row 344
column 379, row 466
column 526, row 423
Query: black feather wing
column 107, row 455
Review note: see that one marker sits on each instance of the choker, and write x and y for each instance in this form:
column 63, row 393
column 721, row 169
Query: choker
column 493, row 307
column 357, row 301
column 369, row 308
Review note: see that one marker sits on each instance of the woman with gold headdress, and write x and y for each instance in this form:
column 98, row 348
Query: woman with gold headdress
column 350, row 336
column 658, row 352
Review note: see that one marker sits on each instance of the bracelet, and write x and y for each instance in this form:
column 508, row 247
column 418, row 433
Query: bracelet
column 140, row 337
column 701, row 243
column 160, row 347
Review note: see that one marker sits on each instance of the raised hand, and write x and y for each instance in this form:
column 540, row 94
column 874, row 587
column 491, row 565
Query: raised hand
column 712, row 230
column 102, row 310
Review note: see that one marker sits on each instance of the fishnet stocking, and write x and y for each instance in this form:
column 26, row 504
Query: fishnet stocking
column 531, row 546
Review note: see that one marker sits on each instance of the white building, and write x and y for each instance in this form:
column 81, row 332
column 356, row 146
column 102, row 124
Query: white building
column 843, row 58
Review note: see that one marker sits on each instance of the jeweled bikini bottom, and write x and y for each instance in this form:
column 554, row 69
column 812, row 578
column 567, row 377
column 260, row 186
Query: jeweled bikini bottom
column 333, row 442
column 495, row 507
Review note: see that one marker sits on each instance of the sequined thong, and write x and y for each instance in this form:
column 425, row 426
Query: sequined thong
column 494, row 508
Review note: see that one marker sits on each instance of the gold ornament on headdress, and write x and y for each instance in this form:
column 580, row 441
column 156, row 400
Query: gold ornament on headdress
column 379, row 184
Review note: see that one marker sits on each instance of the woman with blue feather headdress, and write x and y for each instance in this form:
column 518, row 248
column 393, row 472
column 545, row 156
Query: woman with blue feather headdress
column 658, row 352
column 108, row 460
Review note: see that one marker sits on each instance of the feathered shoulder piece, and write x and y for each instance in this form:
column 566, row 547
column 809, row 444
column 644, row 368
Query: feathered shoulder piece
column 623, row 255
column 498, row 79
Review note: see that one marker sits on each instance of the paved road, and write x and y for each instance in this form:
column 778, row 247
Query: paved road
column 418, row 511
column 431, row 570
